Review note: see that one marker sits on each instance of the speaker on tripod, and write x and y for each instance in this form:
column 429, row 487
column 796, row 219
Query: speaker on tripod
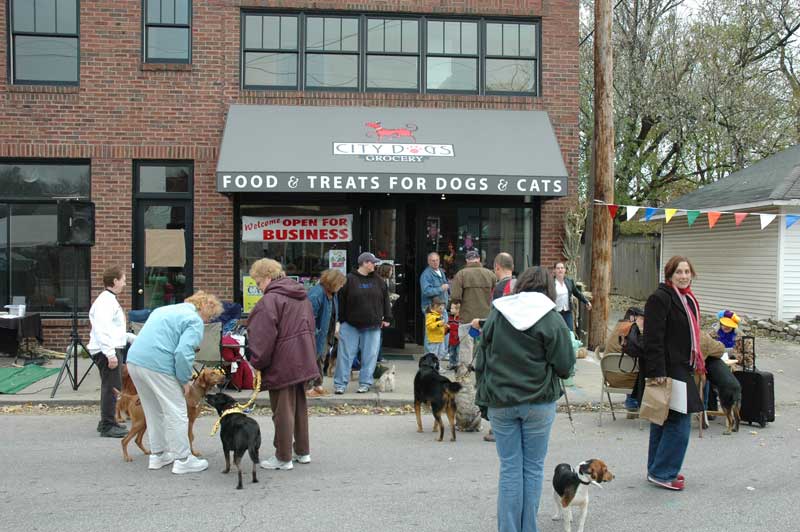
column 75, row 229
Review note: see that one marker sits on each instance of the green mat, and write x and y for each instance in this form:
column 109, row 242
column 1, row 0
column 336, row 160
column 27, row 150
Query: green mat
column 13, row 380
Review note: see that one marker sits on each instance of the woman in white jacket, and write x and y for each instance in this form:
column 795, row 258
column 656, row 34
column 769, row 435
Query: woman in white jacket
column 106, row 343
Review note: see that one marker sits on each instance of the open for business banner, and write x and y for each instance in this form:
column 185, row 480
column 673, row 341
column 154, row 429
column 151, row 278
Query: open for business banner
column 333, row 228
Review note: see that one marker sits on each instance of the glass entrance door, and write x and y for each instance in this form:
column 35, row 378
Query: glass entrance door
column 385, row 239
column 163, row 255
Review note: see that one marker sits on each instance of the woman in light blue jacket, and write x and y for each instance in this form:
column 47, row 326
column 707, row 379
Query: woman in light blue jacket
column 326, row 315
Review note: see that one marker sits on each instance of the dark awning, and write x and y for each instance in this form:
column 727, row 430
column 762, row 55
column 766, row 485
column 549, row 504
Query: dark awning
column 269, row 148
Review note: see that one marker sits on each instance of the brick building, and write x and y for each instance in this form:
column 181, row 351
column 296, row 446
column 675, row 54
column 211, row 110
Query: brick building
column 204, row 130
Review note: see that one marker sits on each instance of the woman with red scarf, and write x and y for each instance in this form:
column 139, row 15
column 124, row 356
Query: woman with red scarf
column 672, row 349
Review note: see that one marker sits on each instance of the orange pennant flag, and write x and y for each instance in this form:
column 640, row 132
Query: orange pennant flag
column 713, row 216
column 740, row 216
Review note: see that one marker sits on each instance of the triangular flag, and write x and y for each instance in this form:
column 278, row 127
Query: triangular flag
column 766, row 219
column 612, row 210
column 630, row 212
column 713, row 216
column 691, row 216
column 648, row 213
column 670, row 213
column 791, row 219
column 740, row 216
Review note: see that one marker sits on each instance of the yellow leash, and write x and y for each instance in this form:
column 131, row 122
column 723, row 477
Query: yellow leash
column 239, row 409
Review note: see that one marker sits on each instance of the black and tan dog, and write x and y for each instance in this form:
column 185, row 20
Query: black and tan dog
column 438, row 391
column 571, row 488
column 238, row 433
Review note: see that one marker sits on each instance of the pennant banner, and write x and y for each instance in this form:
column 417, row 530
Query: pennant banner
column 669, row 213
column 631, row 212
column 740, row 216
column 612, row 210
column 691, row 216
column 791, row 219
column 649, row 212
column 766, row 219
column 713, row 216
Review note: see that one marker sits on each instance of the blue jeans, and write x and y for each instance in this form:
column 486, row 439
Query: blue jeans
column 567, row 315
column 522, row 433
column 452, row 350
column 668, row 444
column 351, row 340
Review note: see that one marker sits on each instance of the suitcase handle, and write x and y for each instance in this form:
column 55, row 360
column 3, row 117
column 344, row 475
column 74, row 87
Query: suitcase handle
column 752, row 340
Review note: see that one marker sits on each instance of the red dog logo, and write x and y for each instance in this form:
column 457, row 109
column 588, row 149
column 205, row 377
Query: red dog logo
column 382, row 132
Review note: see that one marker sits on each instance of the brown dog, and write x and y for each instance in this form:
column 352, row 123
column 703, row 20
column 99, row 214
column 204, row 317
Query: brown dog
column 129, row 404
column 128, row 388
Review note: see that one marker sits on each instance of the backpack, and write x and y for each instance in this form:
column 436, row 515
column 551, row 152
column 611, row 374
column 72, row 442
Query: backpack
column 632, row 343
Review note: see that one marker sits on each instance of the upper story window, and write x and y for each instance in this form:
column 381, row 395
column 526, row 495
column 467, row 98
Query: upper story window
column 168, row 31
column 44, row 41
column 389, row 53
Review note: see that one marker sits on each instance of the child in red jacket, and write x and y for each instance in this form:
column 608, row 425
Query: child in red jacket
column 452, row 335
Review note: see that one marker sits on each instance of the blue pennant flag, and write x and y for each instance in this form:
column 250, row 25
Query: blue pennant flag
column 649, row 212
column 791, row 219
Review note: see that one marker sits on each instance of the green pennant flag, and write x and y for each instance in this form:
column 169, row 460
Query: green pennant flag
column 691, row 216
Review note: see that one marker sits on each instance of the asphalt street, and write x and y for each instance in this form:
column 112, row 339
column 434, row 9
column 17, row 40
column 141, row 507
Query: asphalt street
column 378, row 473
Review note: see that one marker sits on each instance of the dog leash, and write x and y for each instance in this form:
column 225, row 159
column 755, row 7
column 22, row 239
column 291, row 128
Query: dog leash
column 240, row 409
column 566, row 400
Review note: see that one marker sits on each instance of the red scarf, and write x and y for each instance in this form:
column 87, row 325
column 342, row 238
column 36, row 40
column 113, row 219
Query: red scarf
column 696, row 360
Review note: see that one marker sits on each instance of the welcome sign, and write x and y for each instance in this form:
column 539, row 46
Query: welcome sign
column 334, row 228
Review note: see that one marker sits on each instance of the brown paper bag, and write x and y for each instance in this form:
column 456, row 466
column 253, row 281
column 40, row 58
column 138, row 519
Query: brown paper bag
column 655, row 402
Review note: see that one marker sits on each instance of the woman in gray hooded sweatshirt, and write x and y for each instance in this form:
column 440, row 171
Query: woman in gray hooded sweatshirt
column 525, row 348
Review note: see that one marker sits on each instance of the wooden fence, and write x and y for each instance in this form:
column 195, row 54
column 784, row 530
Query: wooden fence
column 634, row 266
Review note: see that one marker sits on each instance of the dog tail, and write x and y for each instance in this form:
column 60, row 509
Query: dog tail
column 454, row 387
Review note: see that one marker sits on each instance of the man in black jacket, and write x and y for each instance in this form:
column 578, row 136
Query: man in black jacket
column 364, row 309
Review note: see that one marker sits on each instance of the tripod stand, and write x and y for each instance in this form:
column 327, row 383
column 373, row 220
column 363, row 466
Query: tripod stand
column 75, row 344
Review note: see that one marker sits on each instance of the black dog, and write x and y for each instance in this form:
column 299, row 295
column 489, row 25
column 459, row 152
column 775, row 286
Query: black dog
column 437, row 390
column 239, row 433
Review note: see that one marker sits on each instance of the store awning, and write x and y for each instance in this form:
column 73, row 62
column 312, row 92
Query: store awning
column 268, row 148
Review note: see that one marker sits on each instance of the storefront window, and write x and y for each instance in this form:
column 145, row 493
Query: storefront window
column 452, row 231
column 306, row 239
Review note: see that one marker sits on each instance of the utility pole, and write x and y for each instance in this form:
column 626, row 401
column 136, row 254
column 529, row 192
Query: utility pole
column 603, row 159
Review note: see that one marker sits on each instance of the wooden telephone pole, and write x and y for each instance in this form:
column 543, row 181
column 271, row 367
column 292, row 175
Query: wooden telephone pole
column 603, row 159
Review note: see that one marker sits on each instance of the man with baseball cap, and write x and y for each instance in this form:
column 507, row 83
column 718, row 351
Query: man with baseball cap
column 364, row 309
column 471, row 287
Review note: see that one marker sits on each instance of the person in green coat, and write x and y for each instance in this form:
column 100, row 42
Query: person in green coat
column 525, row 349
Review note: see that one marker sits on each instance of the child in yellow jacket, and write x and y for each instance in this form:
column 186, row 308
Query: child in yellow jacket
column 437, row 328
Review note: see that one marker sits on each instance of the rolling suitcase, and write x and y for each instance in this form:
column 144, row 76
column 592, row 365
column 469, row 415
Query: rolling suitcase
column 758, row 390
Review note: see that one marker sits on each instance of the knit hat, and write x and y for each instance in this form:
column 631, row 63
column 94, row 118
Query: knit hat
column 472, row 255
column 728, row 318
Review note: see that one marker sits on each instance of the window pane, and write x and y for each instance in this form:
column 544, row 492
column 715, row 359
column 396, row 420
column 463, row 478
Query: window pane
column 23, row 15
column 350, row 34
column 510, row 39
column 410, row 36
column 168, row 43
column 274, row 70
column 45, row 16
column 391, row 72
column 67, row 13
column 5, row 296
column 393, row 35
column 435, row 37
column 167, row 12
column 46, row 58
column 153, row 11
column 510, row 75
column 288, row 33
column 271, row 30
column 375, row 35
column 181, row 11
column 527, row 40
column 314, row 33
column 164, row 178
column 334, row 71
column 452, row 37
column 452, row 73
column 333, row 34
column 41, row 270
column 252, row 31
column 469, row 38
column 26, row 180
column 494, row 39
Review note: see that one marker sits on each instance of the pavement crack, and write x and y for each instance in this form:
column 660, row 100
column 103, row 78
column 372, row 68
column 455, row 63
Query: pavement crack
column 244, row 516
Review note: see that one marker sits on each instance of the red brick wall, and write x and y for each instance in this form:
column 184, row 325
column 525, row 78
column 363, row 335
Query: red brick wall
column 126, row 110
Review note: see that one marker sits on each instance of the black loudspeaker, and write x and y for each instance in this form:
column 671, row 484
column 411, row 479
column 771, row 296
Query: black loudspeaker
column 75, row 223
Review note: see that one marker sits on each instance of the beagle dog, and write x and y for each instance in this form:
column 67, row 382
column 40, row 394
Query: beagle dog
column 571, row 488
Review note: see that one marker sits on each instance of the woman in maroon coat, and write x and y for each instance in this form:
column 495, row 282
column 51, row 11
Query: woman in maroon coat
column 280, row 335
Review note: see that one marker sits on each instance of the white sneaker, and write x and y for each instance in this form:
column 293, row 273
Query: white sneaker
column 157, row 461
column 273, row 463
column 302, row 458
column 191, row 464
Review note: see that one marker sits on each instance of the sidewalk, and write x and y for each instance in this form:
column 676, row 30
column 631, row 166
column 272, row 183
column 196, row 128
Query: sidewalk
column 780, row 358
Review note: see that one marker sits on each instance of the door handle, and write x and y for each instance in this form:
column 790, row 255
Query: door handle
column 140, row 291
